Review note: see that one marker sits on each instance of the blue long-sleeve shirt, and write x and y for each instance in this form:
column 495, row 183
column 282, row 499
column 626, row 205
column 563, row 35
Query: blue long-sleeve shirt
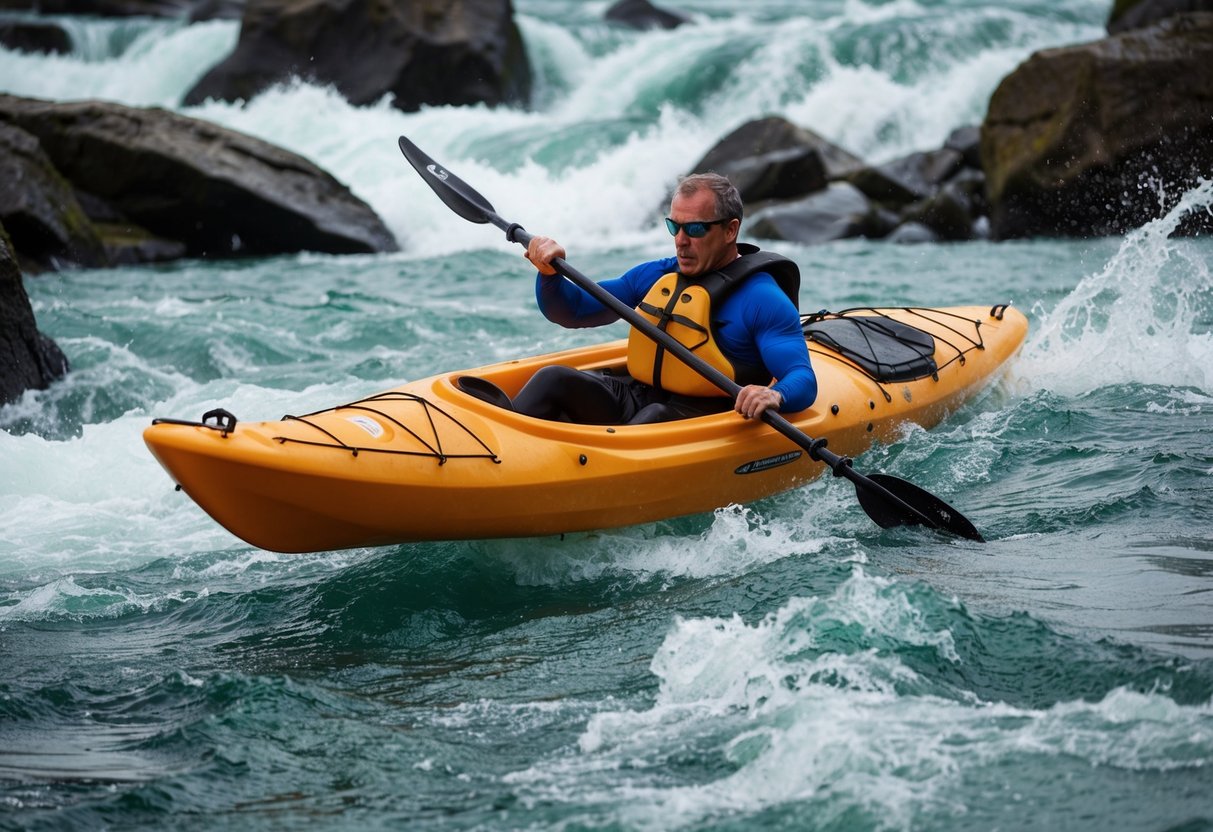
column 756, row 324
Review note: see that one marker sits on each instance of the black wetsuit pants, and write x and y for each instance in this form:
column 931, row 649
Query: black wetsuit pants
column 567, row 395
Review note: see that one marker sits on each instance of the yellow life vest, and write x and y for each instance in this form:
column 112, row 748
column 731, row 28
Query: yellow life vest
column 683, row 307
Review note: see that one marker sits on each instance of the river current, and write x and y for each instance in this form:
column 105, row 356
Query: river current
column 783, row 665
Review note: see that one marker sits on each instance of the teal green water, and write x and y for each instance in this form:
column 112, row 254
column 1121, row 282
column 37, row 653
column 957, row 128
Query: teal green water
column 784, row 665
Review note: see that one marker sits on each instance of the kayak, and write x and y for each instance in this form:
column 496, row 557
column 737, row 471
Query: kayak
column 447, row 458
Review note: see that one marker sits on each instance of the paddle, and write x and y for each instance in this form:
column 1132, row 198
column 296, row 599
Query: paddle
column 889, row 501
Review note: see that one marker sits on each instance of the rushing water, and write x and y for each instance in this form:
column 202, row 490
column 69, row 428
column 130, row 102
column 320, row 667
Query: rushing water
column 782, row 665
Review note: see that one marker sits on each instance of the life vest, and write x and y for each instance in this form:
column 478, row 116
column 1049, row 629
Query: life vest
column 683, row 307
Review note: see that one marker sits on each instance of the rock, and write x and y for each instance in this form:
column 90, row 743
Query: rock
column 967, row 142
column 1102, row 137
column 641, row 14
column 780, row 174
column 1137, row 14
column 39, row 207
column 973, row 183
column 28, row 359
column 948, row 213
column 838, row 212
column 128, row 244
column 772, row 158
column 217, row 10
column 217, row 192
column 27, row 36
column 421, row 52
column 106, row 8
column 914, row 177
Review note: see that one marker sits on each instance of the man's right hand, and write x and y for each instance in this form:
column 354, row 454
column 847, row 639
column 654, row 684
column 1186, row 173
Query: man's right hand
column 541, row 251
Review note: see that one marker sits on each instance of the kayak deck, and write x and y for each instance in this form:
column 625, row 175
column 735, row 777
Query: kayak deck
column 429, row 461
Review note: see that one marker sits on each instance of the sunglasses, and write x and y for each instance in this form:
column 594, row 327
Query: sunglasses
column 698, row 228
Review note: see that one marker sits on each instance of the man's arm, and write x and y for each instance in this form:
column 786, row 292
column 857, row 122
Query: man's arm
column 774, row 325
column 563, row 302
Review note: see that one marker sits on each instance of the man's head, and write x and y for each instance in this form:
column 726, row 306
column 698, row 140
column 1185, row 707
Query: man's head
column 709, row 199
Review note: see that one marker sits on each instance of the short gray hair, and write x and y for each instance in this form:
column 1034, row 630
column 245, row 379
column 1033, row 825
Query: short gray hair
column 728, row 200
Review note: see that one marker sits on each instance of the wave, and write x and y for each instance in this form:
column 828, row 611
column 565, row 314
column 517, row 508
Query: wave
column 1143, row 318
column 871, row 704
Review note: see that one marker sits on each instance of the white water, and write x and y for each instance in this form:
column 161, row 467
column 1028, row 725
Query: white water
column 817, row 705
column 801, row 722
column 881, row 79
column 1143, row 318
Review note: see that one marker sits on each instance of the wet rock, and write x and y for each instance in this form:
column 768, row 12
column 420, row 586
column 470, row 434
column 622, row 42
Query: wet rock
column 424, row 52
column 910, row 178
column 772, row 158
column 212, row 191
column 28, row 359
column 1102, row 137
column 217, row 10
column 39, row 207
column 28, row 36
column 948, row 213
column 967, row 142
column 641, row 14
column 836, row 213
column 1138, row 14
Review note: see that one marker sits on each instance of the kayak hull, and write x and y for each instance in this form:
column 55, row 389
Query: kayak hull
column 429, row 461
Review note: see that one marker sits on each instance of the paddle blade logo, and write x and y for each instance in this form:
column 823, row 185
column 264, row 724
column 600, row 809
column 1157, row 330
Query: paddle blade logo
column 437, row 172
column 768, row 463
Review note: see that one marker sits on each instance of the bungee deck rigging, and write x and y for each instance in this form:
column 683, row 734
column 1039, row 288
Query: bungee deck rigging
column 225, row 423
column 433, row 448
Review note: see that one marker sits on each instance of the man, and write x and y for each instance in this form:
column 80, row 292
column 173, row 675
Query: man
column 729, row 303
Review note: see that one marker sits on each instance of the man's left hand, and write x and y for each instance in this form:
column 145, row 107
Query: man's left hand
column 754, row 399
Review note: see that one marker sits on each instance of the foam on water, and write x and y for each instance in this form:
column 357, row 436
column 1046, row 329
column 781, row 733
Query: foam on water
column 96, row 502
column 736, row 539
column 143, row 64
column 1143, row 318
column 813, row 704
column 99, row 501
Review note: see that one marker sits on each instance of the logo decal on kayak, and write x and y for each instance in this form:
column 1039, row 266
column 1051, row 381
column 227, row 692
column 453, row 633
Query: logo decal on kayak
column 437, row 172
column 367, row 424
column 768, row 463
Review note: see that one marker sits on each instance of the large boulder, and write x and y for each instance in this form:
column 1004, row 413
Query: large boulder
column 910, row 178
column 34, row 36
column 838, row 212
column 641, row 14
column 39, row 207
column 421, row 52
column 772, row 158
column 1100, row 138
column 28, row 359
column 216, row 192
column 1136, row 14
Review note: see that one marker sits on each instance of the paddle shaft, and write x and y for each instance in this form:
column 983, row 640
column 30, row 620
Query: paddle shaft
column 841, row 466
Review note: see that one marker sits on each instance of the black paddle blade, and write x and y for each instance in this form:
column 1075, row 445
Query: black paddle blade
column 888, row 513
column 457, row 194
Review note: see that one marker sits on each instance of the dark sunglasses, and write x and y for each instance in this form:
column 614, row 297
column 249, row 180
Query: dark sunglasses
column 698, row 228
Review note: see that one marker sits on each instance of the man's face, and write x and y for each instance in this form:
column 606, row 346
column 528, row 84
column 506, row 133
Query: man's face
column 699, row 255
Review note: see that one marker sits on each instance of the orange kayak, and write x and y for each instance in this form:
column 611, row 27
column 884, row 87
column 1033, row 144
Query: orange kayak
column 439, row 459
